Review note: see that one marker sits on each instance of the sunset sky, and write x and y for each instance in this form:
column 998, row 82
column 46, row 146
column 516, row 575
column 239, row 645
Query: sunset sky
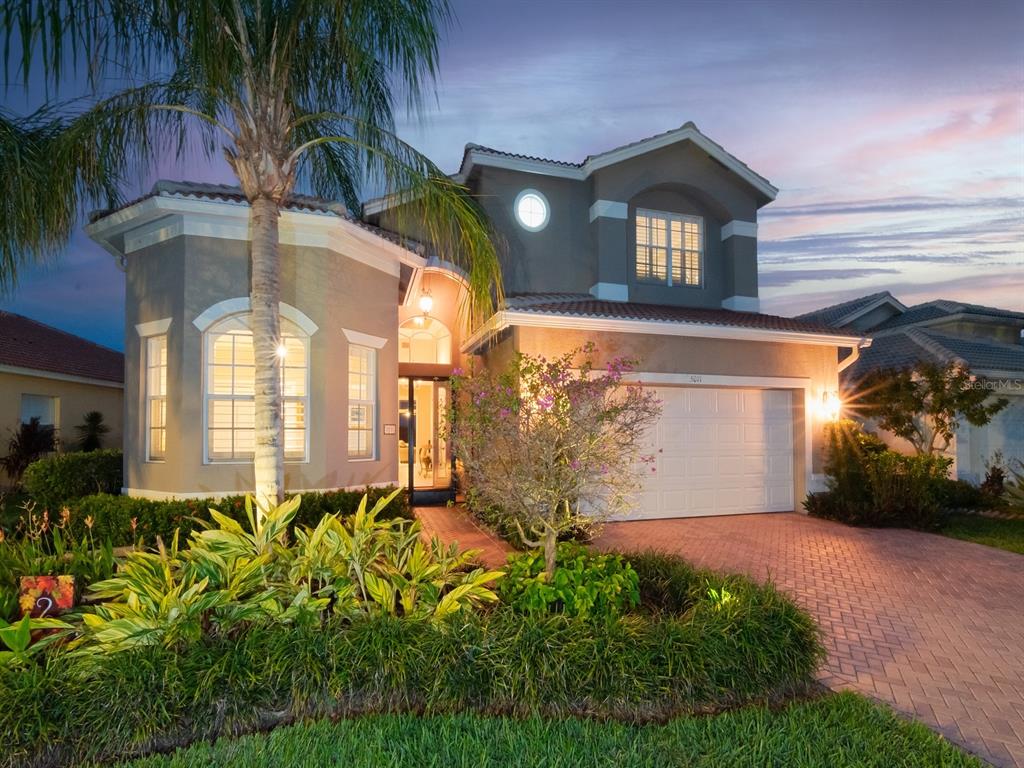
column 894, row 130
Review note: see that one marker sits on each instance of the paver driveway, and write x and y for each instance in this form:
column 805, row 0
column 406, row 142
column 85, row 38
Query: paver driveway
column 930, row 625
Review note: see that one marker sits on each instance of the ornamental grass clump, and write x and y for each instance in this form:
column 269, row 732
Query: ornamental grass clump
column 553, row 445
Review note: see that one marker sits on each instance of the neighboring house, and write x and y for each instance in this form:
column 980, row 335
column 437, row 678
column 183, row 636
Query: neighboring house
column 987, row 340
column 649, row 250
column 58, row 378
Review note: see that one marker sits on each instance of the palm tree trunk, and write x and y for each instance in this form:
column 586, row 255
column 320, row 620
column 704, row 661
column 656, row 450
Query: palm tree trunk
column 268, row 461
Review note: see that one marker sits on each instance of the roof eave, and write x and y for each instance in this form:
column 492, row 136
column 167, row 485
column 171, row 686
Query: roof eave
column 506, row 318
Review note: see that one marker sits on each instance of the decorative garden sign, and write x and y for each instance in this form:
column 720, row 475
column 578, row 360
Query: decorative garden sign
column 46, row 596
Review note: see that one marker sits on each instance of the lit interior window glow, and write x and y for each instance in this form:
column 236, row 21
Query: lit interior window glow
column 531, row 210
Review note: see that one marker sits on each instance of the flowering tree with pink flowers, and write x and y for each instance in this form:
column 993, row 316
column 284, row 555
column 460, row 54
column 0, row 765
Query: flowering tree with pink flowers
column 553, row 444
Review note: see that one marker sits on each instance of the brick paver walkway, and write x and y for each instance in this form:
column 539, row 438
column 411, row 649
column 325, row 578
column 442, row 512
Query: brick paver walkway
column 930, row 625
column 452, row 524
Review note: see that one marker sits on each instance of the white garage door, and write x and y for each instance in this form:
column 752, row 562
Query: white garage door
column 720, row 452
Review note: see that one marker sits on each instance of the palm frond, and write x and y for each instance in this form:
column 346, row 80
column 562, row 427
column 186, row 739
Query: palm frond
column 435, row 209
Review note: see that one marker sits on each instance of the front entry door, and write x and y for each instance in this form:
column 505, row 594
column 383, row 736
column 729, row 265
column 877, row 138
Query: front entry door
column 423, row 454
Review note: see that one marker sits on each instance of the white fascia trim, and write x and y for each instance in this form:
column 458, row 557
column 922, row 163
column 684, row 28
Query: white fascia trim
column 364, row 339
column 740, row 228
column 742, row 303
column 145, row 493
column 610, row 291
column 153, row 327
column 18, row 371
column 610, row 209
column 227, row 307
column 505, row 318
column 162, row 218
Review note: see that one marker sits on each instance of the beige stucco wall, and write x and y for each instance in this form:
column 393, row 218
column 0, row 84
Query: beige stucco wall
column 183, row 277
column 76, row 399
column 815, row 365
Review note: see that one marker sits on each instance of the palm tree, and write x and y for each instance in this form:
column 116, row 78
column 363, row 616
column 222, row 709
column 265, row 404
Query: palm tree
column 292, row 92
column 91, row 432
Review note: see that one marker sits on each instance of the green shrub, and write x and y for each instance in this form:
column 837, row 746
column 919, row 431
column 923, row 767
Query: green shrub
column 960, row 494
column 233, row 575
column 125, row 520
column 639, row 668
column 584, row 584
column 871, row 485
column 56, row 480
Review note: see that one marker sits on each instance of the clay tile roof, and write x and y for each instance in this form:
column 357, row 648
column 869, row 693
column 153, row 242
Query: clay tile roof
column 197, row 190
column 25, row 343
column 905, row 348
column 584, row 305
column 832, row 314
column 943, row 308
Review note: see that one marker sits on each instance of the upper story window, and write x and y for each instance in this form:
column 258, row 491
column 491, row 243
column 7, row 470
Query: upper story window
column 532, row 211
column 231, row 390
column 156, row 397
column 669, row 247
column 424, row 340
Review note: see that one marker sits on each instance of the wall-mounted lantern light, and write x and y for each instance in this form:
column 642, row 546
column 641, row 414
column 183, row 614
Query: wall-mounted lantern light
column 831, row 406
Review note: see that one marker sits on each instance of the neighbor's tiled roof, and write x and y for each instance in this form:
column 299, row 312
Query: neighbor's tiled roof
column 834, row 313
column 25, row 343
column 195, row 190
column 943, row 308
column 584, row 305
column 902, row 349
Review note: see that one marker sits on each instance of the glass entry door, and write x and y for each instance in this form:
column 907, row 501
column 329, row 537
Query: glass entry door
column 423, row 454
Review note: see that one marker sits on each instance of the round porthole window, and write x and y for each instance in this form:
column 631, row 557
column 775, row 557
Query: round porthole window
column 531, row 209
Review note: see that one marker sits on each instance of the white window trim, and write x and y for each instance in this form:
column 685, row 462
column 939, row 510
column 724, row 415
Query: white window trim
column 207, row 461
column 669, row 216
column 374, row 404
column 547, row 210
column 364, row 339
column 146, row 396
column 240, row 305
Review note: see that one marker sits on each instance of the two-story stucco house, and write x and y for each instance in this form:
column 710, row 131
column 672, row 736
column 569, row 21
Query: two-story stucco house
column 648, row 250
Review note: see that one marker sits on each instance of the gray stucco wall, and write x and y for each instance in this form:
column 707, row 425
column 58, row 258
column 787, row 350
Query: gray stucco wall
column 572, row 254
column 183, row 277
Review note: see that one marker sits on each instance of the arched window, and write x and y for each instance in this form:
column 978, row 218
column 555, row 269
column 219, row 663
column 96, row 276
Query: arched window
column 424, row 340
column 230, row 384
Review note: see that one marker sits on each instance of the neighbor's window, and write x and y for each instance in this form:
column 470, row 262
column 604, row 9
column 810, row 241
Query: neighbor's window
column 42, row 407
column 424, row 340
column 362, row 401
column 156, row 397
column 231, row 389
column 669, row 247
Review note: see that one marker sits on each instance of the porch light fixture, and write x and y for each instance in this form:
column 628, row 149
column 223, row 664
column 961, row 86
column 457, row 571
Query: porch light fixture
column 282, row 351
column 426, row 303
column 831, row 406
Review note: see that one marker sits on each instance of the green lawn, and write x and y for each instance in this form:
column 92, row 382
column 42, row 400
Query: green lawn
column 993, row 532
column 834, row 731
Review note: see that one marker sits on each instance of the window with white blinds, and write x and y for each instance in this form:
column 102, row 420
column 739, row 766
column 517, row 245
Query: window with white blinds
column 231, row 390
column 669, row 248
column 156, row 397
column 362, row 401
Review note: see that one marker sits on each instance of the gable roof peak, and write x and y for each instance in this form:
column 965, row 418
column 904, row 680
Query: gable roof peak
column 688, row 131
